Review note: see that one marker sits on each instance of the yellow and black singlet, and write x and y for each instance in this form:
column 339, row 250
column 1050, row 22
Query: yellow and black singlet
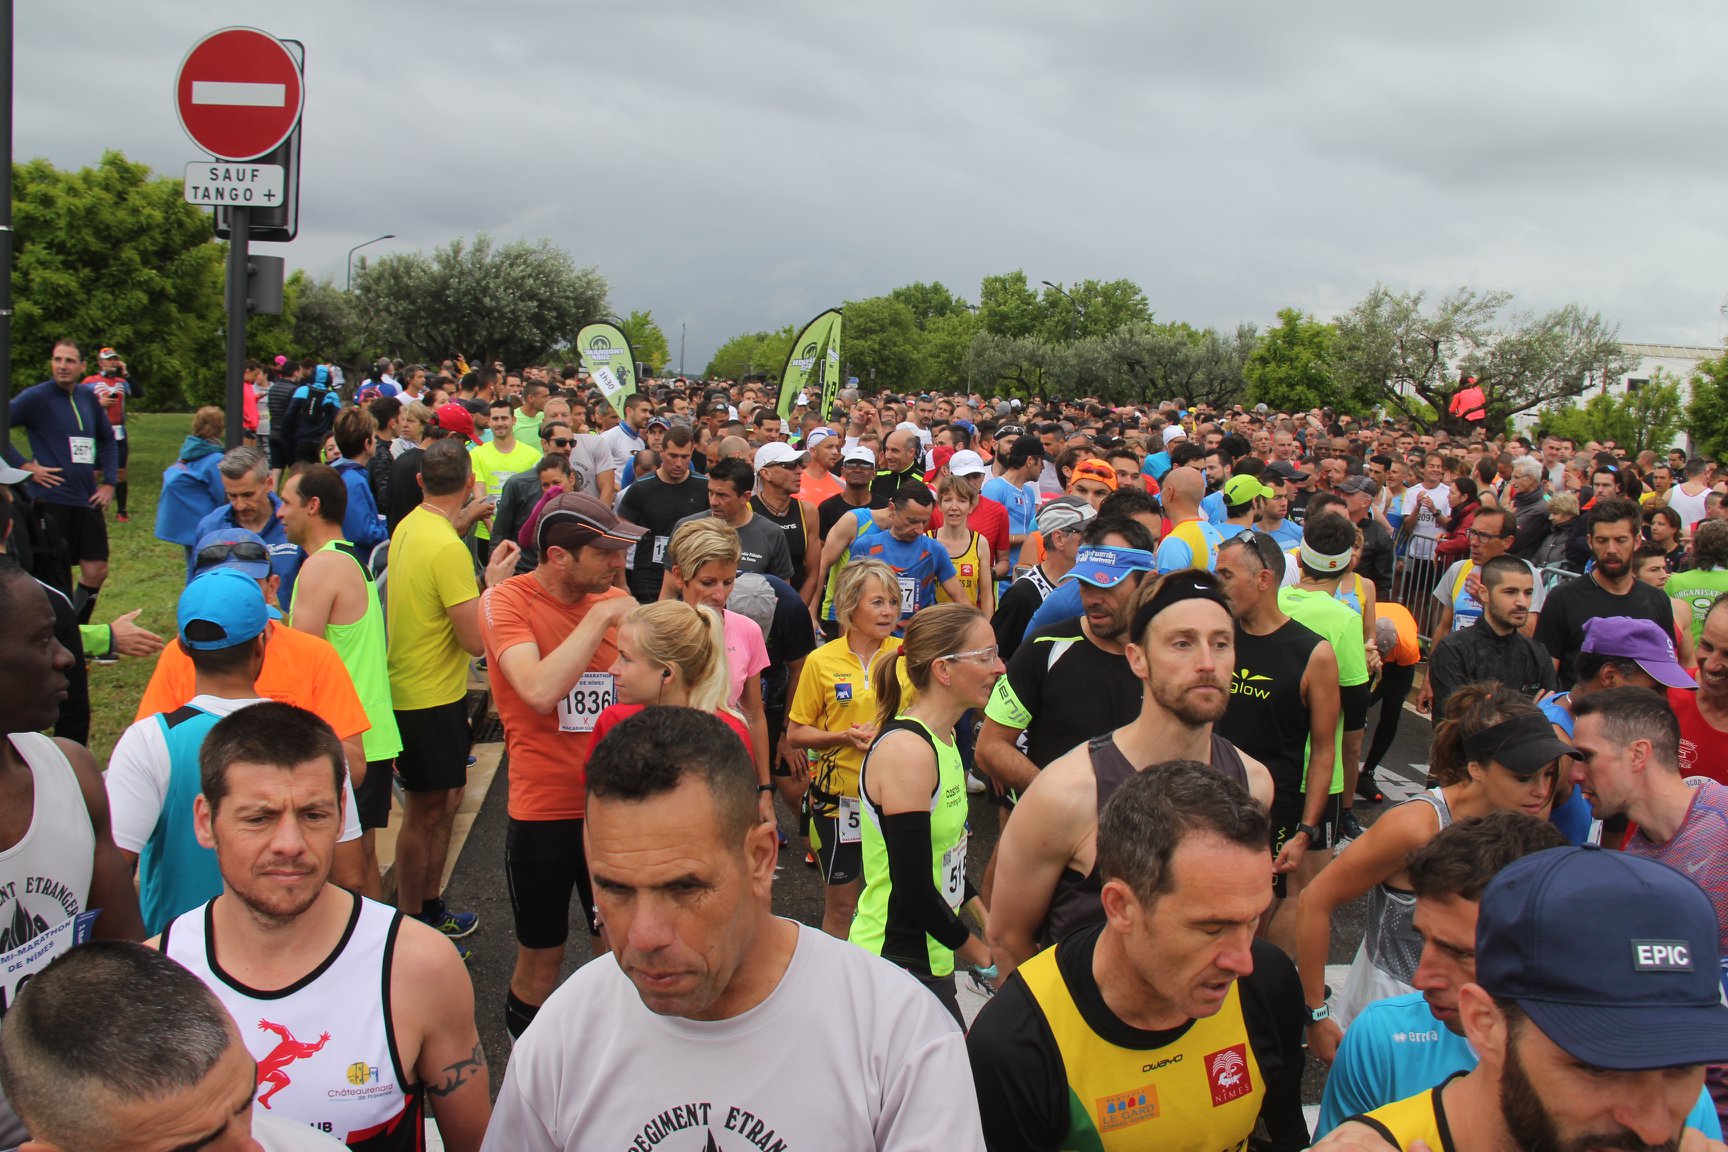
column 1419, row 1117
column 1056, row 1070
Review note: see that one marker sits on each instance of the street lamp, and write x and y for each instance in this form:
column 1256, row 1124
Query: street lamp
column 350, row 285
column 1073, row 303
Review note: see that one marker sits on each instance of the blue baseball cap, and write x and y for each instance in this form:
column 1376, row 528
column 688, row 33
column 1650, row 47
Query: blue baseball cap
column 228, row 601
column 235, row 548
column 1614, row 957
column 1104, row 567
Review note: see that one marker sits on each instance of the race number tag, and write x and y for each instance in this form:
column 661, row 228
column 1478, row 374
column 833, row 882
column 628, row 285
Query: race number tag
column 954, row 873
column 908, row 595
column 660, row 543
column 593, row 694
column 83, row 449
column 119, row 431
column 851, row 831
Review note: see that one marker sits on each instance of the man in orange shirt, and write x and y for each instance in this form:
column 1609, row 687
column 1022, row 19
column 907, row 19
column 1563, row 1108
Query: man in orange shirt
column 551, row 635
column 299, row 669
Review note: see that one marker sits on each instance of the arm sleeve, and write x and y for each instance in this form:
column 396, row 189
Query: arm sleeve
column 1018, row 1074
column 1010, row 621
column 108, row 449
column 913, row 898
column 136, row 781
column 1272, row 1012
column 1014, row 700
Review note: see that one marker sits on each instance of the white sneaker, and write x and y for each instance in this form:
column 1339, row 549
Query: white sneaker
column 975, row 785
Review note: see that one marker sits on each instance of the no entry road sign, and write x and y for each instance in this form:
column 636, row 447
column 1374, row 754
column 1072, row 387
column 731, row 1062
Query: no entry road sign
column 239, row 93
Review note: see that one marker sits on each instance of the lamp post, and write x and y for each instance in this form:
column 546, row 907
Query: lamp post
column 349, row 287
column 1073, row 304
column 682, row 327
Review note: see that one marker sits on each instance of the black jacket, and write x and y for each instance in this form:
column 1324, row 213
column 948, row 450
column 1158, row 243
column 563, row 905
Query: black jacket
column 1478, row 653
column 1530, row 519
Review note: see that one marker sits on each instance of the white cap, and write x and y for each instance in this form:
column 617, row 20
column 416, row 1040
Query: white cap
column 859, row 454
column 1172, row 432
column 818, row 434
column 803, row 400
column 967, row 463
column 774, row 452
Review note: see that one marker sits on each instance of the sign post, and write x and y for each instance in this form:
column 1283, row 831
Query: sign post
column 239, row 95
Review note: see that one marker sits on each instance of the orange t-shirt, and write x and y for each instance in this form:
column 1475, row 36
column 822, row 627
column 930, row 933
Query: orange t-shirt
column 299, row 669
column 816, row 491
column 1408, row 650
column 548, row 751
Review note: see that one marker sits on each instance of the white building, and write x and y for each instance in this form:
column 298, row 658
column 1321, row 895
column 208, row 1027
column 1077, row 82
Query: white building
column 1678, row 361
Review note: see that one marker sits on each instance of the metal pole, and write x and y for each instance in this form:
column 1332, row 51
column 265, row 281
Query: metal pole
column 5, row 219
column 239, row 238
column 348, row 285
column 681, row 331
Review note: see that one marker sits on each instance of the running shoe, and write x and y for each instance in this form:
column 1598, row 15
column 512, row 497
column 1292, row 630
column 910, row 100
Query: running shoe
column 1368, row 789
column 122, row 518
column 455, row 924
column 975, row 785
column 1348, row 827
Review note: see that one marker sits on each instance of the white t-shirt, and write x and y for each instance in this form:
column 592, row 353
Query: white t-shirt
column 138, row 772
column 1690, row 508
column 1426, row 531
column 849, row 1052
column 623, row 442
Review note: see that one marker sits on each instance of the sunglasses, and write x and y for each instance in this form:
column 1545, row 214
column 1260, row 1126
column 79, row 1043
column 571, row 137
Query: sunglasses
column 244, row 551
column 561, row 442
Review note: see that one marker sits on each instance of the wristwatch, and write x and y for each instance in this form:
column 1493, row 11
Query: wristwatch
column 1315, row 1015
column 1312, row 832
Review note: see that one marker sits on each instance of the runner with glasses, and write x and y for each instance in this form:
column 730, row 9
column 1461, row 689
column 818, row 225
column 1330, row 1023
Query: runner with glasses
column 912, row 788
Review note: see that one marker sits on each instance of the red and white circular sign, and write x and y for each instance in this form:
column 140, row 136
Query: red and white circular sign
column 239, row 93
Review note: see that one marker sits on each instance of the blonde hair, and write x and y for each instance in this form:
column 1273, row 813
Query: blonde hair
column 689, row 640
column 700, row 542
column 208, row 422
column 850, row 590
column 932, row 633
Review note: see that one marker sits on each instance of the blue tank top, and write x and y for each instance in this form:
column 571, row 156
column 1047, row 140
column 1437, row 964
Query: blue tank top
column 175, row 872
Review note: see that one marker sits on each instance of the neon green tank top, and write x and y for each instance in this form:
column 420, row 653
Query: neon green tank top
column 361, row 647
column 906, row 944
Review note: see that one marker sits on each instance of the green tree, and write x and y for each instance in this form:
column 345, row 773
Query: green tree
column 1707, row 414
column 1291, row 368
column 515, row 302
column 1390, row 348
column 318, row 319
column 880, row 343
column 1007, row 305
column 1092, row 308
column 647, row 341
column 943, row 351
column 751, row 354
column 929, row 302
column 113, row 255
column 1645, row 417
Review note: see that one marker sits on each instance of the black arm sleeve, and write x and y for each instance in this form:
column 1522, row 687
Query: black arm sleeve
column 913, row 901
column 1013, row 613
column 1273, row 1014
column 1018, row 1074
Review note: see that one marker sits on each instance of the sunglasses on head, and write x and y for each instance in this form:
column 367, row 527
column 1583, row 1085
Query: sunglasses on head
column 246, row 551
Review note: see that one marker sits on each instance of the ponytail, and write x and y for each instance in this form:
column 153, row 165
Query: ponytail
column 931, row 634
column 886, row 679
column 1471, row 709
column 711, row 679
column 690, row 640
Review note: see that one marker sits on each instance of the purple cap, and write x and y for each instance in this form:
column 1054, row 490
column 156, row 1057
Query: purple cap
column 1642, row 641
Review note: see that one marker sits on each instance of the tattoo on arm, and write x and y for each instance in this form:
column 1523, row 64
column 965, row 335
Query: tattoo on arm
column 459, row 1073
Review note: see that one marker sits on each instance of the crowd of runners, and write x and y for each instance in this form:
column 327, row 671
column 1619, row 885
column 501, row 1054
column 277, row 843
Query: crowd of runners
column 1166, row 648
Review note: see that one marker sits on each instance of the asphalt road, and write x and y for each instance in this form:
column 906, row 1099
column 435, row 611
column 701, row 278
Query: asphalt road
column 477, row 884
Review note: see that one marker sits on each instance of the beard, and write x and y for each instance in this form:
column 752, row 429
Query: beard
column 1533, row 1128
column 1194, row 712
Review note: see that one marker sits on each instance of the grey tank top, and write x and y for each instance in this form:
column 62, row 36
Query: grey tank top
column 1391, row 939
column 1077, row 901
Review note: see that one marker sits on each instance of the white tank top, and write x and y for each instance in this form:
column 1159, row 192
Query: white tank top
column 325, row 1045
column 45, row 877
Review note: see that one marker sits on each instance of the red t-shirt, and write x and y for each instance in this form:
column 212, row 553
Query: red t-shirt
column 1703, row 748
column 989, row 520
column 618, row 713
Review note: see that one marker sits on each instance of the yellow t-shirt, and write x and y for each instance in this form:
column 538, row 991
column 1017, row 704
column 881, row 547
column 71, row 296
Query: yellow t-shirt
column 835, row 691
column 492, row 467
column 431, row 571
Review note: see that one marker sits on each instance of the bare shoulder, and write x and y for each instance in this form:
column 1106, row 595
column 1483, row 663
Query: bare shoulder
column 427, row 976
column 1065, row 792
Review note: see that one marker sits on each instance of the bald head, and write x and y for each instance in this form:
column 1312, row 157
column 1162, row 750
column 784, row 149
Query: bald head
column 1183, row 489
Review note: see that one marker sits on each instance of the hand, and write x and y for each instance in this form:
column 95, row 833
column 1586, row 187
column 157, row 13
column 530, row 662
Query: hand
column 1371, row 653
column 131, row 640
column 765, row 806
column 103, row 494
column 1324, row 1036
column 860, row 736
column 503, row 563
column 788, row 755
column 1692, row 1140
column 1290, row 856
column 43, row 475
column 1425, row 697
column 1474, row 588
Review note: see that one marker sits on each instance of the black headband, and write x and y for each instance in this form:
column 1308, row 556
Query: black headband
column 1175, row 588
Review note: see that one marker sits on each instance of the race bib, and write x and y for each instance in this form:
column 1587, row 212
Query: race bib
column 119, row 431
column 660, row 543
column 850, row 830
column 18, row 964
column 83, row 449
column 954, row 873
column 593, row 694
column 908, row 595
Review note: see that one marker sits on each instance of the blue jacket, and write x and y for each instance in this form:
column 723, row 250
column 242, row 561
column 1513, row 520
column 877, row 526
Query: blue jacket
column 191, row 490
column 285, row 555
column 361, row 524
column 54, row 421
column 311, row 410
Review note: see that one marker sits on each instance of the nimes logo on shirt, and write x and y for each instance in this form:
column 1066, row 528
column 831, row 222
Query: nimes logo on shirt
column 752, row 1130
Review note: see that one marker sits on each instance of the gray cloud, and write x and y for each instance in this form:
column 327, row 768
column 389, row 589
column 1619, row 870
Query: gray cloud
column 744, row 165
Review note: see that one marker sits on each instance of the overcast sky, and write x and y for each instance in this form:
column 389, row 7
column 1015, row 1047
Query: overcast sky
column 744, row 164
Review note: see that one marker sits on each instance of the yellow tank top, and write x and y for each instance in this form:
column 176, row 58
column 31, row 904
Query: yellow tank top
column 968, row 569
column 1419, row 1117
column 1200, row 1093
